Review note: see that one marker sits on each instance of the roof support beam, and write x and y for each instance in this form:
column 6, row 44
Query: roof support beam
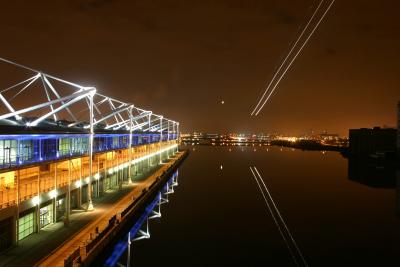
column 43, row 105
column 74, row 100
column 57, row 95
column 116, row 111
column 9, row 107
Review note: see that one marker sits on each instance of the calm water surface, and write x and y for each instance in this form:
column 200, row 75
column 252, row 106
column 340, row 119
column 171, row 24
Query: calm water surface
column 218, row 217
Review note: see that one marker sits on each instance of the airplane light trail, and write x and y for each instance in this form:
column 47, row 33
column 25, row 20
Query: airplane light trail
column 258, row 108
column 277, row 217
column 287, row 56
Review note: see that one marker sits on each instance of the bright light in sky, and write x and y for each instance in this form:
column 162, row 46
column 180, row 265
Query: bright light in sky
column 222, row 102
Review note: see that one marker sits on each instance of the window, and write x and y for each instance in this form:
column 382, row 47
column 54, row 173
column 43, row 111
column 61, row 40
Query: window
column 26, row 225
column 49, row 148
column 64, row 146
column 8, row 152
column 25, row 150
column 115, row 142
column 46, row 215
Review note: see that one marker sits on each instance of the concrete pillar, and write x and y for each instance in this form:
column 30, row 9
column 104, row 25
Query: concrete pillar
column 68, row 197
column 98, row 175
column 159, row 144
column 38, row 204
column 130, row 146
column 105, row 181
column 91, row 136
column 18, row 203
column 55, row 197
column 80, row 183
column 119, row 172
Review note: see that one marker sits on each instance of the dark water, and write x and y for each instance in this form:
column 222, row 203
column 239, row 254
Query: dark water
column 218, row 217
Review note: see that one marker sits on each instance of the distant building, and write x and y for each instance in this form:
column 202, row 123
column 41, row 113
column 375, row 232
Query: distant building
column 398, row 129
column 372, row 142
column 327, row 136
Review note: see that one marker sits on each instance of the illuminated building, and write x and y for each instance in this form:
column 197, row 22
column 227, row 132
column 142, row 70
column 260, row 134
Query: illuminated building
column 49, row 166
column 41, row 172
column 45, row 175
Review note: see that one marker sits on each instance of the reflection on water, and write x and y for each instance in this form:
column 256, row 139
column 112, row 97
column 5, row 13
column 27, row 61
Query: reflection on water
column 372, row 173
column 340, row 213
column 378, row 174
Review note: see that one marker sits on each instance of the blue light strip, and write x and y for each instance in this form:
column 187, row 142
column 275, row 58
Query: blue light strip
column 122, row 245
column 19, row 150
column 56, row 136
column 39, row 136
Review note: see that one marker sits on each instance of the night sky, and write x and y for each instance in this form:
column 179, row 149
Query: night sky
column 182, row 58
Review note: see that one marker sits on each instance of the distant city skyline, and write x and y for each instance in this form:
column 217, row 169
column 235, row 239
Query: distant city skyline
column 310, row 132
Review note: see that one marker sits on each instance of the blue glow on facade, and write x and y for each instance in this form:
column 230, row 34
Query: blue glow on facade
column 23, row 149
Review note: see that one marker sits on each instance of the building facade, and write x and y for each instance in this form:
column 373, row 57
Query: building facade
column 63, row 144
column 44, row 176
column 369, row 142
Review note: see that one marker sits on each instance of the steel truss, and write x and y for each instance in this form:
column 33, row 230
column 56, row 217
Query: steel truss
column 108, row 113
column 75, row 106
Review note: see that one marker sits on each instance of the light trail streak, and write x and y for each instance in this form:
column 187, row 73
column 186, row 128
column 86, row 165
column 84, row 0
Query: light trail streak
column 287, row 57
column 293, row 59
column 274, row 217
column 280, row 216
column 278, row 219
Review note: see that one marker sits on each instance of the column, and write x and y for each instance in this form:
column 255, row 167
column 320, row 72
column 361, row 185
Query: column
column 98, row 175
column 168, row 137
column 130, row 147
column 68, row 196
column 119, row 176
column 177, row 135
column 55, row 197
column 105, row 181
column 18, row 203
column 161, row 129
column 38, row 204
column 91, row 135
column 80, row 183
